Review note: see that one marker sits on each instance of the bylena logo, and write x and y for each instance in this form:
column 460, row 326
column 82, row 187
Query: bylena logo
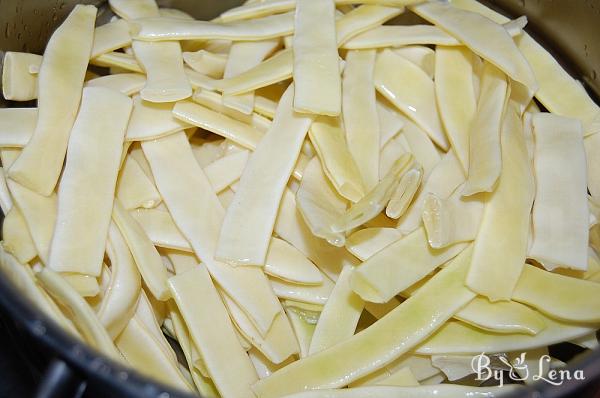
column 519, row 370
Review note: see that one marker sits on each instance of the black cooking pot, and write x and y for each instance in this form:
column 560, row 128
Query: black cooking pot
column 62, row 367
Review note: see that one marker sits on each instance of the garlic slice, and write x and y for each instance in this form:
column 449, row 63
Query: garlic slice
column 151, row 120
column 62, row 71
column 328, row 138
column 223, row 125
column 311, row 294
column 118, row 60
column 484, row 37
column 277, row 345
column 120, row 299
column 244, row 56
column 410, row 89
column 485, row 160
column 213, row 334
column 16, row 237
column 572, row 299
column 18, row 81
column 17, row 126
column 133, row 9
column 455, row 95
column 160, row 29
column 86, row 191
column 83, row 315
column 366, row 242
column 361, row 119
column 178, row 178
column 373, row 348
column 39, row 213
column 146, row 257
column 134, row 188
column 560, row 183
column 207, row 63
column 286, row 262
column 340, row 315
column 393, row 269
column 497, row 263
column 126, row 83
column 270, row 165
column 459, row 338
column 110, row 37
column 166, row 80
column 318, row 85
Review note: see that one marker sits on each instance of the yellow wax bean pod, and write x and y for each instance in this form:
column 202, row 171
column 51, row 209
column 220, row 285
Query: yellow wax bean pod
column 17, row 126
column 590, row 341
column 392, row 151
column 133, row 9
column 460, row 338
column 340, row 315
column 18, row 81
column 410, row 89
column 121, row 296
column 62, row 71
column 134, row 188
column 456, row 96
column 397, row 36
column 333, row 147
column 16, row 237
column 452, row 220
column 172, row 163
column 391, row 270
column 110, row 37
column 501, row 317
column 161, row 229
column 213, row 334
column 23, row 278
column 401, row 378
column 83, row 315
column 389, row 121
column 174, row 13
column 312, row 294
column 423, row 57
column 244, row 56
column 205, row 62
column 265, row 106
column 160, row 29
column 6, row 202
column 485, row 160
column 163, row 64
column 148, row 315
column 592, row 151
column 84, row 285
column 366, row 242
column 257, row 10
column 198, row 115
column 319, row 204
column 455, row 367
column 421, row 146
column 146, row 257
column 425, row 391
column 387, row 339
column 151, row 120
column 271, row 165
column 263, row 366
column 560, row 183
column 375, row 201
column 318, row 85
column 404, row 193
column 141, row 351
column 571, row 300
column 126, row 83
column 497, row 263
column 201, row 380
column 278, row 344
column 303, row 328
column 484, row 37
column 360, row 115
column 363, row 18
column 286, row 262
column 86, row 191
column 419, row 366
column 225, row 171
column 39, row 213
column 120, row 60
